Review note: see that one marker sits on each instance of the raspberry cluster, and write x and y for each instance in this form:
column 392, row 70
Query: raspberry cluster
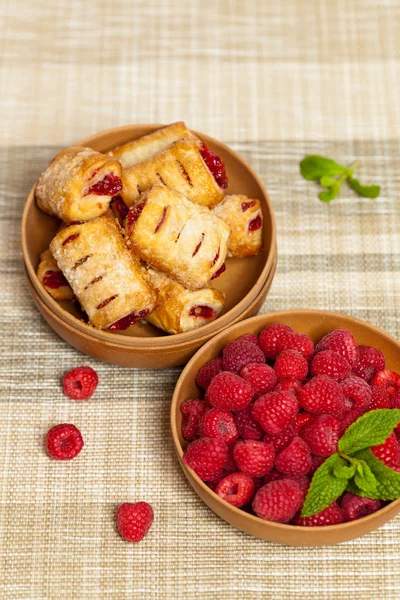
column 274, row 408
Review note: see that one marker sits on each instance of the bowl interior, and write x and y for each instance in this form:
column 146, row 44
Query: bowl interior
column 241, row 277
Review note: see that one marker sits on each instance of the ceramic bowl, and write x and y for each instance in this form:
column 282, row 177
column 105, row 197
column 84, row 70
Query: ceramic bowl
column 245, row 282
column 316, row 324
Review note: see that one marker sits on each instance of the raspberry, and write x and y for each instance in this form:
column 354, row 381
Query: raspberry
column 304, row 483
column 332, row 515
column 296, row 341
column 250, row 337
column 278, row 500
column 370, row 361
column 280, row 440
column 328, row 362
column 80, row 383
column 322, row 395
column 342, row 342
column 64, row 442
column 389, row 380
column 295, row 459
column 288, row 385
column 262, row 378
column 134, row 520
column 247, row 426
column 208, row 372
column 355, row 507
column 239, row 353
column 357, row 393
column 207, row 457
column 254, row 458
column 218, row 423
column 301, row 420
column 191, row 411
column 388, row 452
column 291, row 364
column 349, row 418
column 274, row 475
column 316, row 462
column 275, row 411
column 380, row 398
column 323, row 434
column 230, row 465
column 236, row 488
column 270, row 336
column 228, row 391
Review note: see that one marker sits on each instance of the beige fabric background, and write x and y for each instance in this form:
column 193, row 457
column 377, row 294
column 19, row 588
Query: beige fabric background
column 276, row 80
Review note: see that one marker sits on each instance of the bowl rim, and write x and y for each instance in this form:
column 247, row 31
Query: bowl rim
column 162, row 340
column 283, row 527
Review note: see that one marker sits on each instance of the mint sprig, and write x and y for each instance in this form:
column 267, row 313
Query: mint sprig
column 331, row 175
column 354, row 468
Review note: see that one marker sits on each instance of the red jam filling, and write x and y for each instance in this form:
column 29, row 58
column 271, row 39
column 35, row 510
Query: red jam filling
column 255, row 224
column 54, row 279
column 120, row 209
column 134, row 214
column 216, row 257
column 247, row 205
column 110, row 185
column 70, row 238
column 215, row 165
column 198, row 245
column 129, row 320
column 205, row 312
column 161, row 221
column 219, row 272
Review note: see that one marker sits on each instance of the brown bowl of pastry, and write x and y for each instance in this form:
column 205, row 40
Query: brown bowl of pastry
column 142, row 242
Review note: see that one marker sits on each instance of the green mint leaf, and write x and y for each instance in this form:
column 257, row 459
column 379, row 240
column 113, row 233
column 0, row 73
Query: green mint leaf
column 324, row 489
column 364, row 478
column 388, row 481
column 331, row 192
column 342, row 469
column 370, row 429
column 314, row 167
column 368, row 191
column 327, row 181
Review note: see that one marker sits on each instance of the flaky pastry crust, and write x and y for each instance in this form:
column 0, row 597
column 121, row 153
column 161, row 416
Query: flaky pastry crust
column 244, row 217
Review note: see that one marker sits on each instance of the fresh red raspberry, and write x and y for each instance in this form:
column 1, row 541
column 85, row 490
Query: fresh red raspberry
column 380, row 398
column 230, row 465
column 274, row 475
column 275, row 411
column 218, row 423
column 322, row 434
column 355, row 507
column 239, row 353
column 236, row 488
column 270, row 336
column 370, row 361
column 80, row 383
column 191, row 411
column 280, row 440
column 342, row 342
column 301, row 420
column 247, row 426
column 290, row 364
column 254, row 458
column 288, row 385
column 322, row 395
column 208, row 372
column 389, row 380
column 349, row 418
column 316, row 462
column 278, row 500
column 250, row 337
column 388, row 452
column 394, row 403
column 228, row 391
column 134, row 520
column 328, row 362
column 296, row 341
column 64, row 442
column 295, row 459
column 214, row 482
column 262, row 378
column 304, row 483
column 357, row 393
column 207, row 457
column 332, row 515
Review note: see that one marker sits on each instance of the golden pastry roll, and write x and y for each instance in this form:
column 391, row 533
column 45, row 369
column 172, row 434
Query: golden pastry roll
column 187, row 166
column 103, row 274
column 52, row 278
column 179, row 309
column 145, row 147
column 244, row 217
column 177, row 237
column 78, row 184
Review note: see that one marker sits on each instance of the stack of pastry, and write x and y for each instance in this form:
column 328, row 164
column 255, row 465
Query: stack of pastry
column 144, row 231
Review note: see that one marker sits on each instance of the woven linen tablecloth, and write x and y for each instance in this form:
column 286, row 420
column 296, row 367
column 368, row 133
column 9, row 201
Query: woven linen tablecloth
column 276, row 81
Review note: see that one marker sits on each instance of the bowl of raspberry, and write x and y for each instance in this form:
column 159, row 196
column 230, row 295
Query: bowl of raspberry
column 287, row 425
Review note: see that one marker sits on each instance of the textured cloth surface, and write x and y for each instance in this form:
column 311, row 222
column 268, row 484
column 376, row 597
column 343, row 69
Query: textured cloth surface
column 276, row 81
